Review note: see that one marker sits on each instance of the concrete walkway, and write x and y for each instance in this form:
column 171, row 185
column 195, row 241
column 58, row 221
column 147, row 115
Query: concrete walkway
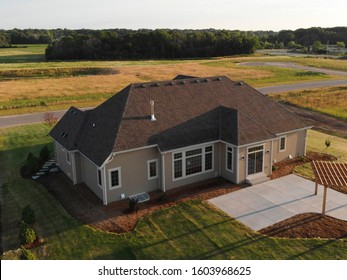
column 268, row 203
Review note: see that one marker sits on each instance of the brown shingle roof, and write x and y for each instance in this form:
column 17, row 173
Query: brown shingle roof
column 188, row 111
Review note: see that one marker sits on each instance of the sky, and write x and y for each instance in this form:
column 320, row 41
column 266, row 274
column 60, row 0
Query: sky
column 179, row 14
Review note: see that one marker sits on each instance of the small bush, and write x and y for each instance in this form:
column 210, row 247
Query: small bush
column 28, row 215
column 274, row 168
column 27, row 234
column 133, row 205
column 44, row 154
column 27, row 255
column 31, row 166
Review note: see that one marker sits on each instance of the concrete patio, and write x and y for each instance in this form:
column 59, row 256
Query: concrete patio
column 268, row 203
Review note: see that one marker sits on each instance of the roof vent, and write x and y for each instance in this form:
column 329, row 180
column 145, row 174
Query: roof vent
column 152, row 111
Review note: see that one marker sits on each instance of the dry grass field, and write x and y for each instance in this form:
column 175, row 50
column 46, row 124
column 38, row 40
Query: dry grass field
column 30, row 86
column 329, row 100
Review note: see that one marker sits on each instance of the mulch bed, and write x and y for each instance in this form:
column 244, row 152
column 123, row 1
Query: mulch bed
column 286, row 167
column 309, row 225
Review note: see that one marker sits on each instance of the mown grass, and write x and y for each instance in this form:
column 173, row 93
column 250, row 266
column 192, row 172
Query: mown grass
column 23, row 53
column 191, row 230
column 330, row 100
column 316, row 143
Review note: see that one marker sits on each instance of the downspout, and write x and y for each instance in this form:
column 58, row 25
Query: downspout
column 163, row 171
column 104, row 198
column 237, row 165
column 271, row 155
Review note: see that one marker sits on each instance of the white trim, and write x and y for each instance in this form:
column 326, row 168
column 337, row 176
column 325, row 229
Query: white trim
column 192, row 147
column 163, row 171
column 183, row 159
column 285, row 143
column 135, row 149
column 119, row 178
column 252, row 153
column 105, row 188
column 149, row 169
column 292, row 131
column 237, row 166
column 232, row 159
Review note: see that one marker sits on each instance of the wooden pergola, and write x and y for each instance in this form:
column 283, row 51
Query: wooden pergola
column 330, row 174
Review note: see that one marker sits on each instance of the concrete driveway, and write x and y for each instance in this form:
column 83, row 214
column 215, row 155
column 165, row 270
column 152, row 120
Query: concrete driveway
column 268, row 203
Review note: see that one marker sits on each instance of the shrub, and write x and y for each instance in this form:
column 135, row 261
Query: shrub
column 133, row 205
column 27, row 255
column 28, row 215
column 31, row 165
column 27, row 234
column 274, row 167
column 44, row 154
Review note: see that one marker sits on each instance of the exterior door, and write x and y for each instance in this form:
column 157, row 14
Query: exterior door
column 255, row 160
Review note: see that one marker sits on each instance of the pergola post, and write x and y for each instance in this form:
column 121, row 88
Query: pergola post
column 324, row 200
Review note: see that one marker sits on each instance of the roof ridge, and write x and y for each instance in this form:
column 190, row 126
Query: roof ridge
column 130, row 88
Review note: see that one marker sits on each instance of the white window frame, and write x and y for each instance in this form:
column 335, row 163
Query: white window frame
column 97, row 176
column 285, row 143
column 119, row 178
column 149, row 169
column 232, row 158
column 68, row 157
column 183, row 159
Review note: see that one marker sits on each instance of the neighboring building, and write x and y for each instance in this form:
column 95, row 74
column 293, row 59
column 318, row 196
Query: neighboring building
column 164, row 135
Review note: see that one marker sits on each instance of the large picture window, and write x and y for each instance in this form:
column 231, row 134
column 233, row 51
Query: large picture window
column 190, row 162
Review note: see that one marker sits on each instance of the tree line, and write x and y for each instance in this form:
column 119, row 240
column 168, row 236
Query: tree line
column 65, row 44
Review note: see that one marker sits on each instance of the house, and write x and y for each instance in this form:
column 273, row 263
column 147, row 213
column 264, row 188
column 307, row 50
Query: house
column 167, row 134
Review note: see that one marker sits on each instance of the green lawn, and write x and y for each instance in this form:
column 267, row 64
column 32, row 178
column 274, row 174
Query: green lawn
column 191, row 230
column 23, row 53
column 316, row 143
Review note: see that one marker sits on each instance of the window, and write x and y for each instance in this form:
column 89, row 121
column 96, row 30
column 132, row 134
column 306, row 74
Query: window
column 67, row 157
column 99, row 177
column 152, row 166
column 282, row 144
column 229, row 159
column 192, row 162
column 115, row 178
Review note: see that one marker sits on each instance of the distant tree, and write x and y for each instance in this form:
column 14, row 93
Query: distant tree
column 340, row 45
column 49, row 119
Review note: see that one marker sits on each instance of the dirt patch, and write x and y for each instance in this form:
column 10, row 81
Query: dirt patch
column 286, row 167
column 81, row 203
column 309, row 225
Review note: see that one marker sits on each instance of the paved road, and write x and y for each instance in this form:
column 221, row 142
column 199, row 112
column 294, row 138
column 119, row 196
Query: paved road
column 292, row 65
column 37, row 117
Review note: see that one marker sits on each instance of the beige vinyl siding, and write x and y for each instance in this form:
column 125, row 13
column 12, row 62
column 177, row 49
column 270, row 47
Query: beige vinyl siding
column 133, row 173
column 295, row 146
column 170, row 183
column 229, row 175
column 60, row 154
column 90, row 176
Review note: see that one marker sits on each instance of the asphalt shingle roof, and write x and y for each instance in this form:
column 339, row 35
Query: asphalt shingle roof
column 188, row 110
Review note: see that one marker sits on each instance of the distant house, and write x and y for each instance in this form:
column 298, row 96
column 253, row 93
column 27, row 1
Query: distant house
column 167, row 134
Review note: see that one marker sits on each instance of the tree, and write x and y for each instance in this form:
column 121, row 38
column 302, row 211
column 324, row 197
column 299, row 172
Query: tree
column 49, row 119
column 340, row 45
